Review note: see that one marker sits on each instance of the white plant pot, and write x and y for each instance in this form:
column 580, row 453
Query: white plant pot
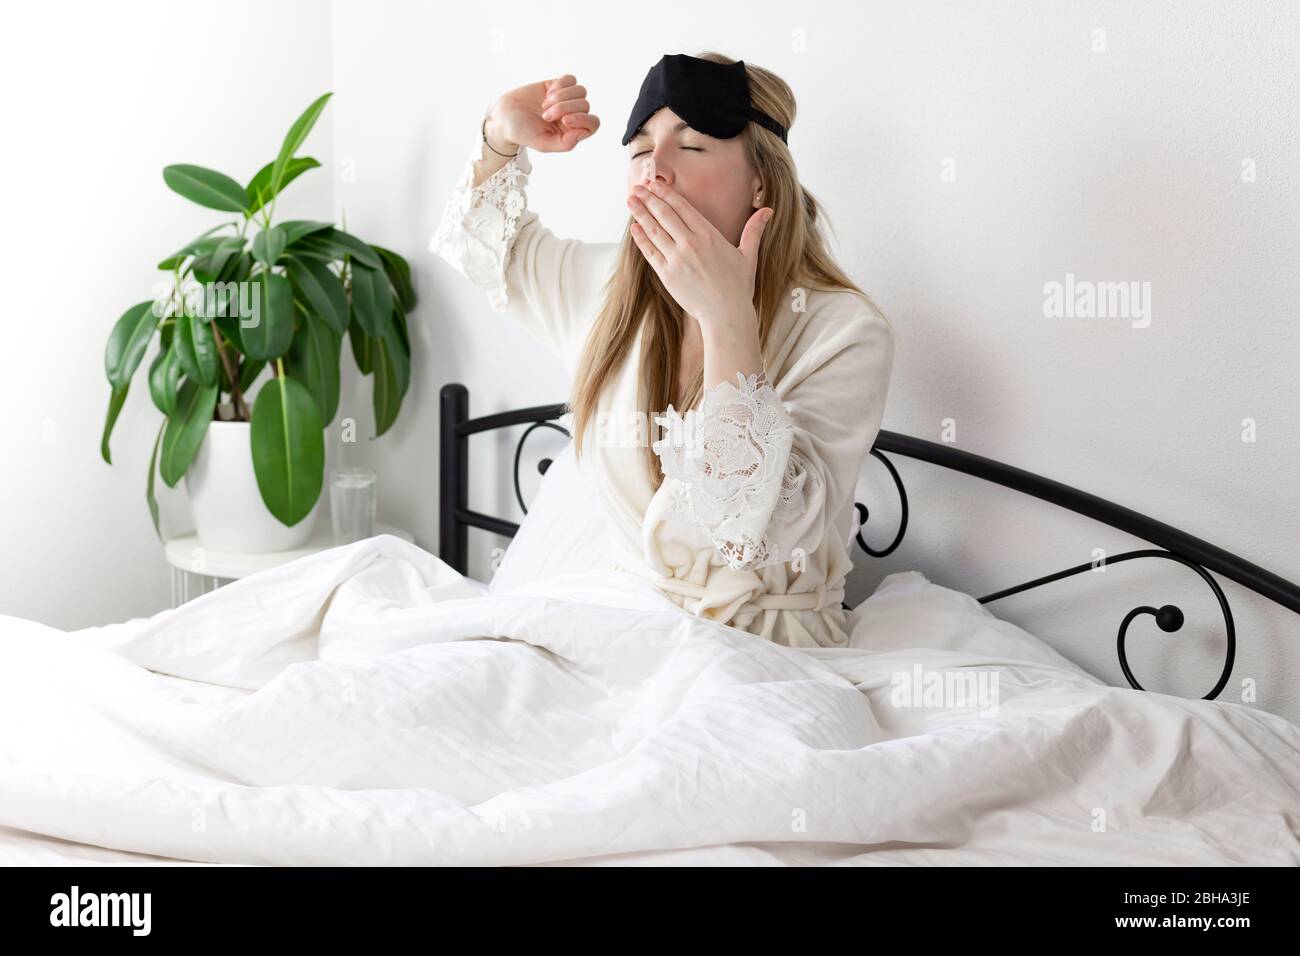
column 229, row 514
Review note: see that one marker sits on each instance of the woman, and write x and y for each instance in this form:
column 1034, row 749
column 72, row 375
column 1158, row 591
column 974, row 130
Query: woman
column 721, row 299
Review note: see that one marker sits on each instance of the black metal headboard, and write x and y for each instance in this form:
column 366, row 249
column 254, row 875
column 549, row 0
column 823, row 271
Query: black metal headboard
column 456, row 517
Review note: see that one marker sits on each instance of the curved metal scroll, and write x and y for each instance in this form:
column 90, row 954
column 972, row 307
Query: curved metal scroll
column 864, row 514
column 1168, row 617
column 541, row 465
column 1177, row 545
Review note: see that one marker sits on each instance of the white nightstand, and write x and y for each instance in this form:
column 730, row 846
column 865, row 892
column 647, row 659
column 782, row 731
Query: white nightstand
column 191, row 563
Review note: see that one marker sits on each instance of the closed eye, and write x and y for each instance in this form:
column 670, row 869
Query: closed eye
column 697, row 149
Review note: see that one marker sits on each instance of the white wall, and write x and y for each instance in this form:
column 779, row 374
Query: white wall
column 98, row 99
column 1122, row 165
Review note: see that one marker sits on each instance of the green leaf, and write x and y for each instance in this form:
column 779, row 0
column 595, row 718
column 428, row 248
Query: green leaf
column 269, row 244
column 293, row 139
column 164, row 380
column 335, row 244
column 149, row 496
column 362, row 348
column 395, row 343
column 210, row 266
column 196, row 350
column 361, row 251
column 269, row 334
column 128, row 341
column 248, row 374
column 207, row 187
column 399, row 274
column 313, row 359
column 231, row 294
column 185, row 429
column 237, row 269
column 392, row 378
column 321, row 290
column 372, row 300
column 288, row 448
column 115, row 402
column 295, row 229
column 316, row 250
column 400, row 316
column 228, row 326
column 205, row 244
column 225, row 298
column 192, row 248
column 259, row 187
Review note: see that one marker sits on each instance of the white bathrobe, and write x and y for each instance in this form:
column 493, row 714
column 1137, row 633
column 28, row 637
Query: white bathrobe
column 754, row 520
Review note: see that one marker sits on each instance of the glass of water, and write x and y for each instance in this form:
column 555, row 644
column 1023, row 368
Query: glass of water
column 352, row 504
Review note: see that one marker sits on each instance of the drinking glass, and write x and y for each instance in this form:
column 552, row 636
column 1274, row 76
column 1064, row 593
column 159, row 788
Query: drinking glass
column 352, row 504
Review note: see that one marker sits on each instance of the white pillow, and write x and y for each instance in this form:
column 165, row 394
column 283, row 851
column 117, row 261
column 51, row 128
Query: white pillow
column 908, row 611
column 564, row 531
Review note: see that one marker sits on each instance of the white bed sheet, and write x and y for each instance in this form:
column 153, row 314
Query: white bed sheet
column 368, row 705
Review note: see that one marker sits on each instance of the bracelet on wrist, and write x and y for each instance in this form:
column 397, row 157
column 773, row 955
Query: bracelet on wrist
column 493, row 148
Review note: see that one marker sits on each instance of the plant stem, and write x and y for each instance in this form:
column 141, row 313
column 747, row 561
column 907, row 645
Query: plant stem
column 236, row 396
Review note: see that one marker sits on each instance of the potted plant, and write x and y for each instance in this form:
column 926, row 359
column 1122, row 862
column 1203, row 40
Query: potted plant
column 280, row 298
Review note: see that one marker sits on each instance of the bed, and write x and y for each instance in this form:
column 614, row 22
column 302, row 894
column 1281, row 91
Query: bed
column 372, row 704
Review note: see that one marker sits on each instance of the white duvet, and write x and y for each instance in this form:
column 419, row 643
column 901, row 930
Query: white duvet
column 369, row 705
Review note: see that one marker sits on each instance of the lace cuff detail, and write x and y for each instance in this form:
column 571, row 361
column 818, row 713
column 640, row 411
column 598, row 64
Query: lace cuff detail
column 739, row 478
column 479, row 223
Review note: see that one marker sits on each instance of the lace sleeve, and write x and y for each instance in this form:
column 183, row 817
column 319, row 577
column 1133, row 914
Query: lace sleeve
column 548, row 284
column 768, row 476
column 741, row 481
column 479, row 223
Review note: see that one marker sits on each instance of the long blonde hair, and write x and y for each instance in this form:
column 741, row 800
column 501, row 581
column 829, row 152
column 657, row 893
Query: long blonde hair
column 792, row 252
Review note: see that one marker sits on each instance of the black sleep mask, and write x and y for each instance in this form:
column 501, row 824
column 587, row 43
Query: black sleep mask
column 711, row 97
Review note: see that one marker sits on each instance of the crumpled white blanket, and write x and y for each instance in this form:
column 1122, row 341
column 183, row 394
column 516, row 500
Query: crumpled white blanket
column 369, row 705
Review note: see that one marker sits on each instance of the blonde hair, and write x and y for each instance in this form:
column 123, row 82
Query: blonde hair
column 792, row 252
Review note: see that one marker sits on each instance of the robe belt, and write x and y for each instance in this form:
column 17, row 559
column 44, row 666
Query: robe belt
column 767, row 601
column 798, row 601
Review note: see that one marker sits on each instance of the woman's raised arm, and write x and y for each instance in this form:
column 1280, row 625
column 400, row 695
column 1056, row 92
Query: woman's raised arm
column 488, row 233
